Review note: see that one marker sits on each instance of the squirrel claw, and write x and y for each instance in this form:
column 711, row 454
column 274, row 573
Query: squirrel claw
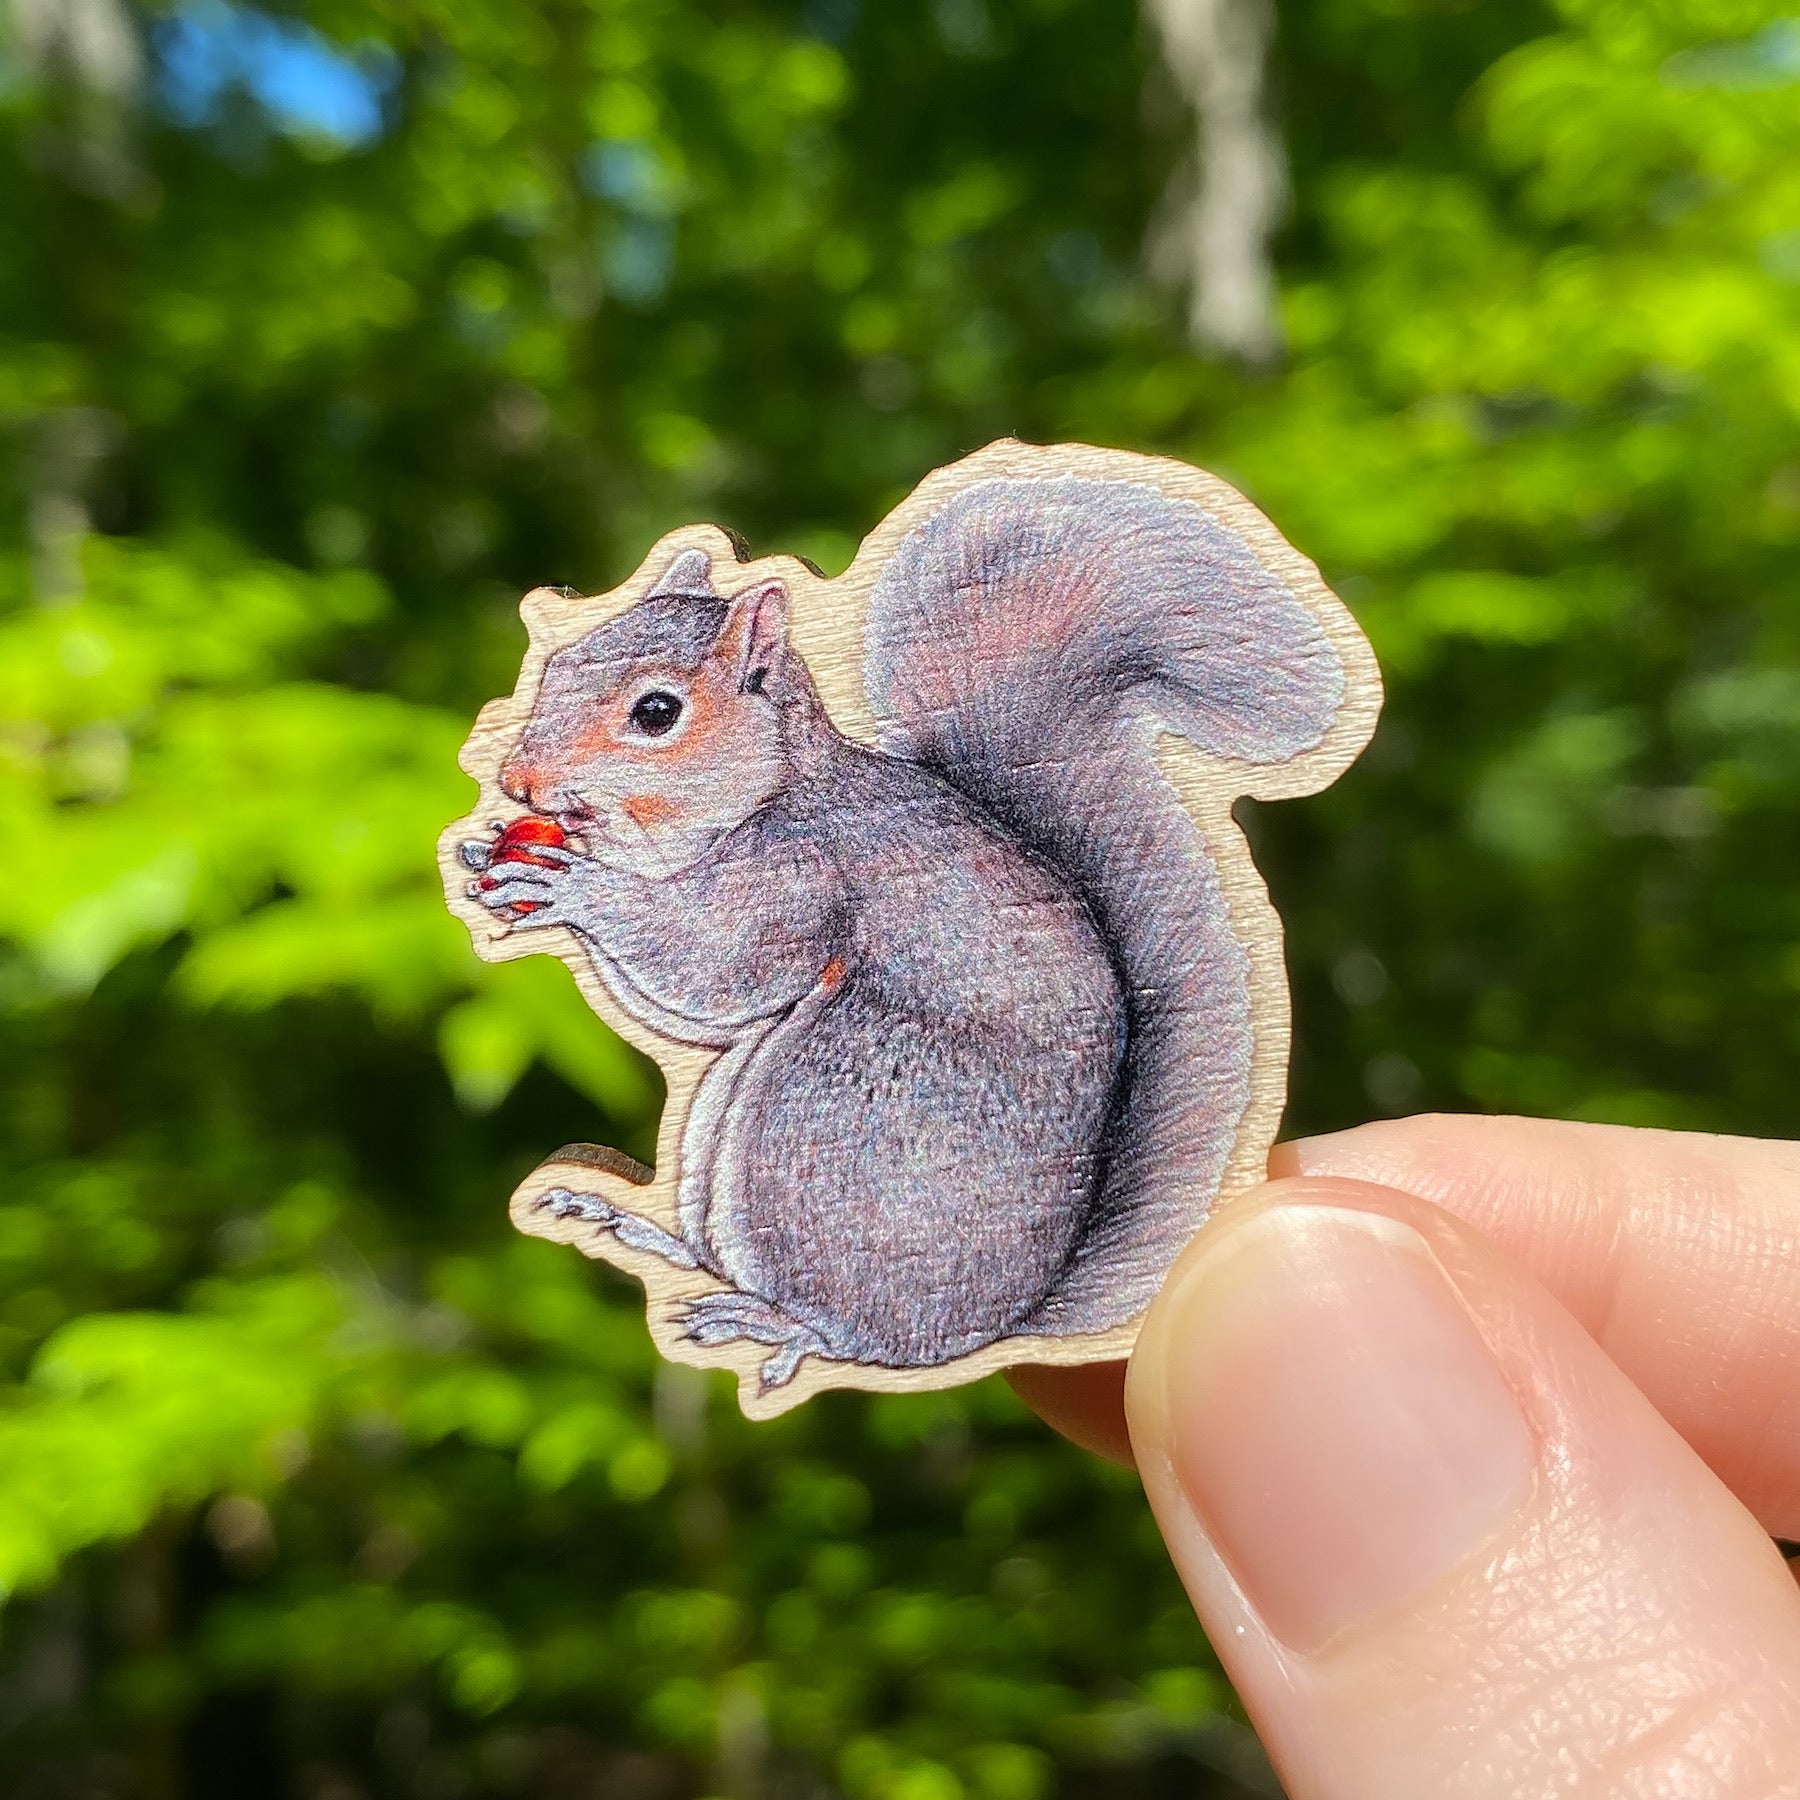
column 512, row 895
column 728, row 1317
column 732, row 1317
column 631, row 1229
column 781, row 1368
column 559, row 1203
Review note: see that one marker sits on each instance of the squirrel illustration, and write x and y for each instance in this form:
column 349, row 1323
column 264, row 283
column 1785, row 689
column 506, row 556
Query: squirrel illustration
column 983, row 1028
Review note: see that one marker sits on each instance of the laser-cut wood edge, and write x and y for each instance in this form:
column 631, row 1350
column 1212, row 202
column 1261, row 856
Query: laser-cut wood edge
column 827, row 630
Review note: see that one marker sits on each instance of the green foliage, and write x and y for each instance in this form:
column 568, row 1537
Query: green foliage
column 313, row 1479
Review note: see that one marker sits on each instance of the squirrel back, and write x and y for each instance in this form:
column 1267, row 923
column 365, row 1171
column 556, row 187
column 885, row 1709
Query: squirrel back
column 1028, row 643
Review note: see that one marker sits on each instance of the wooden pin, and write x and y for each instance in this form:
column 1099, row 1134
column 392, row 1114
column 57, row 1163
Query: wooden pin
column 922, row 886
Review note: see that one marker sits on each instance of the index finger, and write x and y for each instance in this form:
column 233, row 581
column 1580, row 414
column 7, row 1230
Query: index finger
column 1679, row 1253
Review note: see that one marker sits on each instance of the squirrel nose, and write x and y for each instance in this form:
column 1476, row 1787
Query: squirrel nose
column 517, row 780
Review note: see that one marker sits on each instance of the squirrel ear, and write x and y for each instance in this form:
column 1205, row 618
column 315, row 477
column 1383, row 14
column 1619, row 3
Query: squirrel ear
column 688, row 577
column 755, row 633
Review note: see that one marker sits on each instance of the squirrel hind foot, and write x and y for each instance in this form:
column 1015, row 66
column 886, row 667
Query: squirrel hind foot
column 734, row 1317
column 781, row 1368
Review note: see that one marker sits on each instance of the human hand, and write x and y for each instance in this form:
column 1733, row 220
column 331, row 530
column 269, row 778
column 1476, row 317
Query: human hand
column 1468, row 1437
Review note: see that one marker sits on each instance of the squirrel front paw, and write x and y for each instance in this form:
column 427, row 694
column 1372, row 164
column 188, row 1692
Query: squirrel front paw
column 504, row 863
column 538, row 892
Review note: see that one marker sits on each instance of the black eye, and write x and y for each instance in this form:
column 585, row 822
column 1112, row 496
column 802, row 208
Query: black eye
column 655, row 713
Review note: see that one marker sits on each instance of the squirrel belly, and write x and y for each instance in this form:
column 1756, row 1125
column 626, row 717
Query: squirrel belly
column 909, row 1158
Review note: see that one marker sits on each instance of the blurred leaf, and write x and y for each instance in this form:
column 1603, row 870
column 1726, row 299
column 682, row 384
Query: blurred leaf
column 350, row 323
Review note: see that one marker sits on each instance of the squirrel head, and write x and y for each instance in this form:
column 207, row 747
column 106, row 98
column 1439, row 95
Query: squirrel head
column 663, row 728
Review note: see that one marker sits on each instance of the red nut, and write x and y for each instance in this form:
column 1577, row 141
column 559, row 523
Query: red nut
column 516, row 843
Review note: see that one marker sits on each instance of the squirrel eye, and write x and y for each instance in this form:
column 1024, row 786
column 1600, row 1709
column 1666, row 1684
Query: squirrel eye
column 656, row 712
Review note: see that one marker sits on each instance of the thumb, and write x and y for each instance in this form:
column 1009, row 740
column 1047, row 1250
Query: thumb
column 1441, row 1544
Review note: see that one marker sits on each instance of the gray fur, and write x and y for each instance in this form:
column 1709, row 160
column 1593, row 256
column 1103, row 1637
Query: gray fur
column 677, row 629
column 901, row 1163
column 1027, row 643
column 984, row 1027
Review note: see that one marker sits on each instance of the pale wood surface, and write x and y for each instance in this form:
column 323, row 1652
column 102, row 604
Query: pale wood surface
column 827, row 630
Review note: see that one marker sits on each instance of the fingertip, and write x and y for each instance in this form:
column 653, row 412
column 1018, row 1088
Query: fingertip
column 1674, row 1249
column 1329, row 1410
column 1085, row 1403
column 1436, row 1537
column 1284, row 1160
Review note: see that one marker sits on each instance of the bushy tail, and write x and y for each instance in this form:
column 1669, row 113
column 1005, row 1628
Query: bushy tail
column 1029, row 642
